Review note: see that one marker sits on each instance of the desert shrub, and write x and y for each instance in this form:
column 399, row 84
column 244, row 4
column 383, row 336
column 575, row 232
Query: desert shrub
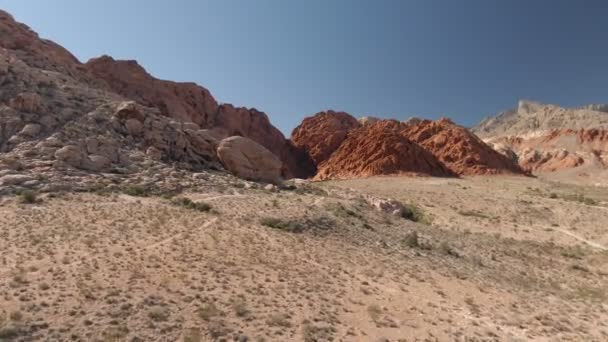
column 411, row 239
column 375, row 312
column 448, row 249
column 286, row 225
column 240, row 308
column 136, row 191
column 279, row 320
column 414, row 213
column 28, row 197
column 575, row 252
column 208, row 311
column 159, row 313
column 575, row 198
column 189, row 204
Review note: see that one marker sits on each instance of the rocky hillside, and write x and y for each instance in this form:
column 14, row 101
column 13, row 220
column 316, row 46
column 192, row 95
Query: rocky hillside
column 108, row 116
column 462, row 151
column 536, row 118
column 102, row 80
column 343, row 147
column 380, row 148
column 548, row 138
column 58, row 115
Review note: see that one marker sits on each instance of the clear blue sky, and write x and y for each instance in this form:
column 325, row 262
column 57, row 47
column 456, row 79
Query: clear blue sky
column 394, row 58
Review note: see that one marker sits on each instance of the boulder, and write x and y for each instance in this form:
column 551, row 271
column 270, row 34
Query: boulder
column 97, row 163
column 387, row 205
column 368, row 120
column 71, row 155
column 249, row 160
column 31, row 130
column 128, row 110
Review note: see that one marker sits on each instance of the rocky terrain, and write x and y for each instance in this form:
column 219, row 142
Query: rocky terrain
column 343, row 147
column 568, row 144
column 139, row 209
column 379, row 149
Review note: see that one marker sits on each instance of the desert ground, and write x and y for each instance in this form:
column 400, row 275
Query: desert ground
column 480, row 259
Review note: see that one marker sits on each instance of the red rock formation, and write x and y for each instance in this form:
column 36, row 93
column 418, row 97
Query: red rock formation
column 380, row 149
column 322, row 134
column 181, row 101
column 193, row 103
column 460, row 150
column 40, row 53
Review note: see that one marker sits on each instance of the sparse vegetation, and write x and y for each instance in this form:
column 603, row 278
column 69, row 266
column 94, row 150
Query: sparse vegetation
column 281, row 224
column 159, row 313
column 189, row 204
column 414, row 213
column 28, row 197
column 375, row 312
column 574, row 198
column 240, row 308
column 208, row 310
column 473, row 213
column 136, row 191
column 279, row 320
column 411, row 239
column 576, row 252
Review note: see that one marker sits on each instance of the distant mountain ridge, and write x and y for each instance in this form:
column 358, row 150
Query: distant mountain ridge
column 546, row 138
column 531, row 117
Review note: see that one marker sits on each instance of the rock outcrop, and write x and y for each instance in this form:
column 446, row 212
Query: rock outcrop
column 368, row 120
column 41, row 77
column 380, row 149
column 189, row 102
column 322, row 134
column 249, row 160
column 459, row 149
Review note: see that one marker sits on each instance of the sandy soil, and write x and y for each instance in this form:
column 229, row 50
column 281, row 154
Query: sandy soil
column 492, row 259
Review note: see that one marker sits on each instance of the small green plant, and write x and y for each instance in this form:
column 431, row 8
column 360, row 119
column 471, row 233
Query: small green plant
column 414, row 213
column 189, row 204
column 28, row 197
